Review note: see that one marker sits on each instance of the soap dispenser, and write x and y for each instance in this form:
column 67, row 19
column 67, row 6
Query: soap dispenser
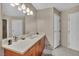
column 9, row 42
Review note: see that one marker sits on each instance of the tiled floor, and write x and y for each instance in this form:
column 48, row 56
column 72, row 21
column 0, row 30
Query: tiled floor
column 47, row 51
column 61, row 51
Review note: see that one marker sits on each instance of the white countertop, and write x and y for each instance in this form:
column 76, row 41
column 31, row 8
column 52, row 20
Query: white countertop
column 21, row 46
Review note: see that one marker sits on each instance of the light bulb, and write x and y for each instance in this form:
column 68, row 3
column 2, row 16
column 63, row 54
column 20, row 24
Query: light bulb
column 24, row 11
column 31, row 12
column 23, row 6
column 28, row 13
column 27, row 10
column 19, row 8
column 12, row 4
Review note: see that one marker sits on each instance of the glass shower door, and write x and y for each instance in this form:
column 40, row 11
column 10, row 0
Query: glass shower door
column 56, row 30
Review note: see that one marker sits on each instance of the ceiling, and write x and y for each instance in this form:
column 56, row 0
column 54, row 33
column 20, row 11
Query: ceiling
column 59, row 6
column 8, row 10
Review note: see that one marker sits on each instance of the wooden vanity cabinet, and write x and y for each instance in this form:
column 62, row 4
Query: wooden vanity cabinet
column 35, row 50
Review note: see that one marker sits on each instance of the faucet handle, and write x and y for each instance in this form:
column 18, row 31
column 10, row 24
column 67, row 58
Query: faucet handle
column 15, row 38
column 23, row 38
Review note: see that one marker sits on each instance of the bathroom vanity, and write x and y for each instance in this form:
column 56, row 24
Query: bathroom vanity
column 30, row 46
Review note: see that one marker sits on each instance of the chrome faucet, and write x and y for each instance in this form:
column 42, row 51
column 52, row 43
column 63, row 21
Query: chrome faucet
column 15, row 38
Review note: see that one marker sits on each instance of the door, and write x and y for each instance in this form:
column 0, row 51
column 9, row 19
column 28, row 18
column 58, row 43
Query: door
column 4, row 21
column 17, row 27
column 56, row 30
column 73, row 31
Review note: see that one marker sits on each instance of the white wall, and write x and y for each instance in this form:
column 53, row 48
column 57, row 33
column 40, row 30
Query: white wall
column 45, row 23
column 1, row 49
column 45, row 19
column 64, row 25
column 31, row 21
column 73, row 31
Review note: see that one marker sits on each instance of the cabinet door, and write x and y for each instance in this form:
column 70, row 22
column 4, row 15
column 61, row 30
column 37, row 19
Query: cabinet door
column 31, row 51
column 37, row 49
column 10, row 53
column 28, row 53
column 41, row 45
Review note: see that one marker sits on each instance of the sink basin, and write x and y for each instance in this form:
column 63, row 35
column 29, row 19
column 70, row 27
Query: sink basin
column 33, row 36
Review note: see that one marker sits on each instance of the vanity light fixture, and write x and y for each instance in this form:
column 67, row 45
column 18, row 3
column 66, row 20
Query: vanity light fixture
column 16, row 3
column 28, row 13
column 22, row 7
column 31, row 12
column 12, row 4
column 24, row 11
column 27, row 10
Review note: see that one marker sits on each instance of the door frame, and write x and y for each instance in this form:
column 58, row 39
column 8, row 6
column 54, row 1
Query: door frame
column 7, row 26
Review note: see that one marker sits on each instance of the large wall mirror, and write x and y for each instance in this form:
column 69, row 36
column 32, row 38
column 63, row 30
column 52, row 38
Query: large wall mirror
column 13, row 21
